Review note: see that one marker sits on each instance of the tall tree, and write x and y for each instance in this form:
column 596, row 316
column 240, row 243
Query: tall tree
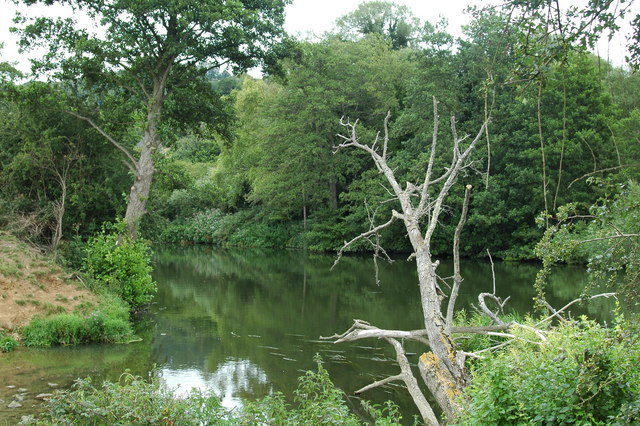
column 394, row 22
column 150, row 55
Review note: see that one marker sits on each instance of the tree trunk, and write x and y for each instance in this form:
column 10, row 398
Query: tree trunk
column 58, row 214
column 440, row 368
column 334, row 194
column 139, row 194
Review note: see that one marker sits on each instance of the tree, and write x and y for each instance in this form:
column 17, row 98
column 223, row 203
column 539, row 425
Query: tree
column 151, row 57
column 56, row 178
column 442, row 368
column 286, row 129
column 394, row 22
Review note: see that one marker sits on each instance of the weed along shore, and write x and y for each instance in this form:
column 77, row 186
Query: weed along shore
column 42, row 305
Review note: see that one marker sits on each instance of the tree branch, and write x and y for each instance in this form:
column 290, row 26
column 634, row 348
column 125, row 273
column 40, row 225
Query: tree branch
column 380, row 383
column 457, row 277
column 132, row 164
column 557, row 313
column 394, row 216
column 609, row 169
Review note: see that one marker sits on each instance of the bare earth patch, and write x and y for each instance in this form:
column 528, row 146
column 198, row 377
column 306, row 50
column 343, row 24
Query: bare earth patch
column 31, row 284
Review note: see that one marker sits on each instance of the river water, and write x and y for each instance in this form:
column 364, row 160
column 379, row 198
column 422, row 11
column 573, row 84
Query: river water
column 246, row 323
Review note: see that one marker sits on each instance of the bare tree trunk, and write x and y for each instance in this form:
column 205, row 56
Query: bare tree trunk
column 304, row 209
column 442, row 368
column 58, row 214
column 447, row 375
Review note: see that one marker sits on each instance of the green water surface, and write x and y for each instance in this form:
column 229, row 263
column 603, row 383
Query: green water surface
column 245, row 323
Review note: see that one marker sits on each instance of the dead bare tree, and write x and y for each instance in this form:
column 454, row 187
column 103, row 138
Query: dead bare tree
column 442, row 368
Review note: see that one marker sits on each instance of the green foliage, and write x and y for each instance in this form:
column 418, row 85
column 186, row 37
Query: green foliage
column 198, row 229
column 42, row 151
column 7, row 343
column 584, row 374
column 607, row 240
column 247, row 228
column 133, row 400
column 121, row 264
column 317, row 402
column 392, row 21
column 109, row 323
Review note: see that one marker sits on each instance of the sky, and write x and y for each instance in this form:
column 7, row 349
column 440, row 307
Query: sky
column 318, row 16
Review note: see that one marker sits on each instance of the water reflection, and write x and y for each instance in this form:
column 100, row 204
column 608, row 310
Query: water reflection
column 232, row 381
column 244, row 324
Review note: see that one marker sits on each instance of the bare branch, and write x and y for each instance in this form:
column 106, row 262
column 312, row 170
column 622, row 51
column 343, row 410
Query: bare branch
column 453, row 174
column 482, row 329
column 486, row 310
column 609, row 169
column 557, row 313
column 363, row 330
column 412, row 385
column 609, row 237
column 394, row 216
column 432, row 157
column 380, row 383
column 493, row 272
column 386, row 136
column 457, row 277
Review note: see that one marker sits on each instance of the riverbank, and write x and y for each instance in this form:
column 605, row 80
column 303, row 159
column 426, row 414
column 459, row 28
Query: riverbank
column 42, row 305
column 31, row 285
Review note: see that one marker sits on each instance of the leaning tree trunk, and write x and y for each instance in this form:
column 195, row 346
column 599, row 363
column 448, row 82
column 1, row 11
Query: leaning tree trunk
column 442, row 370
column 144, row 167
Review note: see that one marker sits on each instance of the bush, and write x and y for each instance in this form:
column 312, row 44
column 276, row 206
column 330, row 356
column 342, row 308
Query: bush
column 121, row 264
column 318, row 402
column 247, row 228
column 199, row 229
column 584, row 374
column 133, row 400
column 107, row 324
column 7, row 343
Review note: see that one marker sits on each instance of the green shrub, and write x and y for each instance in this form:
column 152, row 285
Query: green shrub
column 133, row 400
column 318, row 402
column 247, row 228
column 199, row 229
column 107, row 324
column 7, row 343
column 73, row 252
column 121, row 264
column 584, row 374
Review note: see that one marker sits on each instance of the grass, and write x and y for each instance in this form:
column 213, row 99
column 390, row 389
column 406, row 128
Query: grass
column 108, row 323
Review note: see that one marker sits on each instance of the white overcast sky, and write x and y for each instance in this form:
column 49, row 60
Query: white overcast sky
column 318, row 16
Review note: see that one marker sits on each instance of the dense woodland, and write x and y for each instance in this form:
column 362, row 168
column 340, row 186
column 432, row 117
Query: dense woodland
column 251, row 162
column 154, row 127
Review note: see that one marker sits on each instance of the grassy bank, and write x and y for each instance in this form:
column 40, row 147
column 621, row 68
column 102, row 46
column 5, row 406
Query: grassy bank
column 42, row 305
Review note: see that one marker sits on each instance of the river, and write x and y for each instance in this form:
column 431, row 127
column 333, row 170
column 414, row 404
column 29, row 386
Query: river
column 245, row 323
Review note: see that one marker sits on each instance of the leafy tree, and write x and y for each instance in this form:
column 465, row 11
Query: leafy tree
column 150, row 57
column 55, row 179
column 394, row 22
column 287, row 132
